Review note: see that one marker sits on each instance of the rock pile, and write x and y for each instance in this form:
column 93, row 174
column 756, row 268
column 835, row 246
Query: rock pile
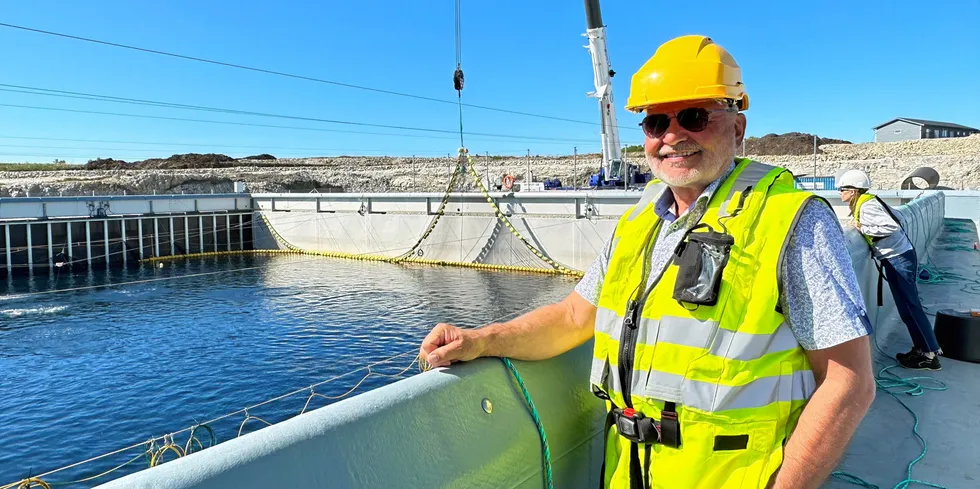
column 956, row 159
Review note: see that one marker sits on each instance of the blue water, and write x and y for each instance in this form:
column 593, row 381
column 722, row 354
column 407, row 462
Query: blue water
column 92, row 370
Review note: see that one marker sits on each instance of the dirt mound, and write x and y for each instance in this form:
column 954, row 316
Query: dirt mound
column 107, row 164
column 189, row 161
column 791, row 143
column 175, row 162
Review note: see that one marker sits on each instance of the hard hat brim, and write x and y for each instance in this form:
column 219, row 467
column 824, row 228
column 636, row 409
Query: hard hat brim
column 742, row 103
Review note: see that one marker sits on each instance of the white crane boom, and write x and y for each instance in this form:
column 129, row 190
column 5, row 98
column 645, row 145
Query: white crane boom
column 612, row 156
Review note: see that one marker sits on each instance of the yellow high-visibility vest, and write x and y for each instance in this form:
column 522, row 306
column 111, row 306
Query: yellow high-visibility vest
column 857, row 213
column 734, row 372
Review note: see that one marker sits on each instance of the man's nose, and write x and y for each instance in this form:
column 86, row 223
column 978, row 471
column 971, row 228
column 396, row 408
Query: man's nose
column 674, row 133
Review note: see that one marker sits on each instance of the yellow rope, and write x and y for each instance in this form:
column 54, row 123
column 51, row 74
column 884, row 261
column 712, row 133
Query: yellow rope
column 28, row 483
column 406, row 257
column 500, row 215
column 157, row 457
column 442, row 210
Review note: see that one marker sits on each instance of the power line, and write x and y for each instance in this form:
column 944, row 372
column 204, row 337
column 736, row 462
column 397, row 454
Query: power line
column 291, row 75
column 109, row 98
column 157, row 143
column 161, row 150
column 246, row 124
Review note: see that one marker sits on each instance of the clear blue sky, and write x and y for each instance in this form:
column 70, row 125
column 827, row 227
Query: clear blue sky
column 835, row 68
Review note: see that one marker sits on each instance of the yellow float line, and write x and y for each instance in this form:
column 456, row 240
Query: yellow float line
column 294, row 250
column 359, row 257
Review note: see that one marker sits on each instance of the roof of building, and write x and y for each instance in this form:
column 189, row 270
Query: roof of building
column 923, row 122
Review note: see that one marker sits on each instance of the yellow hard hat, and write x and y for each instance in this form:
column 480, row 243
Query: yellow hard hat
column 687, row 68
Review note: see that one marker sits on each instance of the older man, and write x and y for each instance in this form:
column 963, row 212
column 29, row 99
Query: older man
column 731, row 340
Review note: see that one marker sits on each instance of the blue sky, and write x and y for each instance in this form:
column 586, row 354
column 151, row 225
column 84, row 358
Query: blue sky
column 836, row 69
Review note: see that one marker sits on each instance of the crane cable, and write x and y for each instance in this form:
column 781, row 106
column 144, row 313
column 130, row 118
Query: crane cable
column 458, row 74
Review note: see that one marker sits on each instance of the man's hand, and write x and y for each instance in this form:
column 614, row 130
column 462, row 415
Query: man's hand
column 447, row 343
column 542, row 333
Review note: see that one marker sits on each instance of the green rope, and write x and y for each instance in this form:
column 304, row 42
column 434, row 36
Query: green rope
column 887, row 381
column 537, row 422
column 937, row 275
column 956, row 227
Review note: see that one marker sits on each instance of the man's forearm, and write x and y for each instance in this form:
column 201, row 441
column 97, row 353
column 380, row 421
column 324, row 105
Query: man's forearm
column 542, row 333
column 827, row 424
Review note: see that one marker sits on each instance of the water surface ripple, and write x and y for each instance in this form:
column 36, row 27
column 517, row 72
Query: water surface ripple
column 89, row 371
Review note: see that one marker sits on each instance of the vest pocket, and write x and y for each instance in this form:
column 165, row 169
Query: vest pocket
column 740, row 453
column 717, row 453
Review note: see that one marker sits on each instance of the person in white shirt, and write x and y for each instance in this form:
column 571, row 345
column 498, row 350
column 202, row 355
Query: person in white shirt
column 892, row 248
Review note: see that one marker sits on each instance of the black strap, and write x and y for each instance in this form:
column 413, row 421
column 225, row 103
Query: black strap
column 646, row 469
column 669, row 435
column 610, row 420
column 636, row 472
column 670, row 427
column 888, row 210
column 881, row 278
column 881, row 298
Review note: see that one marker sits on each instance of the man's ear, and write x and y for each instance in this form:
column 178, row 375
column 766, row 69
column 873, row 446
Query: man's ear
column 740, row 123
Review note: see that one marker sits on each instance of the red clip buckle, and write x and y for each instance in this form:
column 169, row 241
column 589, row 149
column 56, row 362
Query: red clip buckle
column 629, row 412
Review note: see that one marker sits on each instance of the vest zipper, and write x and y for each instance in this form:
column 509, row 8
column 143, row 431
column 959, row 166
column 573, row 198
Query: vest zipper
column 627, row 341
column 626, row 353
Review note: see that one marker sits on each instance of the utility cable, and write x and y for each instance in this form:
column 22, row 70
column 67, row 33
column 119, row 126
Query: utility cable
column 365, row 152
column 290, row 75
column 190, row 145
column 247, row 124
column 123, row 100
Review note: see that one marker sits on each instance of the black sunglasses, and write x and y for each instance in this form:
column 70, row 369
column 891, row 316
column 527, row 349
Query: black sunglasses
column 694, row 119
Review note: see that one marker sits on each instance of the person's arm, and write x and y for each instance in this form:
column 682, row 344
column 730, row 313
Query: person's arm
column 845, row 390
column 825, row 309
column 543, row 333
column 875, row 220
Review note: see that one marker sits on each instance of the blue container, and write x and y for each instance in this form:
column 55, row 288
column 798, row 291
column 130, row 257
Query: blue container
column 816, row 183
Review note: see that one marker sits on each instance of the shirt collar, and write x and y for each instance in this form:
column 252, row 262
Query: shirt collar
column 664, row 207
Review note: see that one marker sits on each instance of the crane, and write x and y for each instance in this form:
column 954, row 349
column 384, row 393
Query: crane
column 612, row 158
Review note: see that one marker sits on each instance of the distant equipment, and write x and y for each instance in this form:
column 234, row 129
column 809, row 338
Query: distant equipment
column 613, row 171
column 552, row 183
column 926, row 175
column 633, row 178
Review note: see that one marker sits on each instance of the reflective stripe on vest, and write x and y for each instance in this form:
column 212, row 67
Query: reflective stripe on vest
column 697, row 336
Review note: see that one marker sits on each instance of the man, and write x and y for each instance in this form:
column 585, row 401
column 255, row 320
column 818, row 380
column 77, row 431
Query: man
column 731, row 341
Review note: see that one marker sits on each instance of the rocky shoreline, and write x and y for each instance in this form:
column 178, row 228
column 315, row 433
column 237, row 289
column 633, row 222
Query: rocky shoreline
column 956, row 159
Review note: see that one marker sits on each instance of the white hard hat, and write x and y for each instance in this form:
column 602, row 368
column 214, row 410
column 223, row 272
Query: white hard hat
column 854, row 178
